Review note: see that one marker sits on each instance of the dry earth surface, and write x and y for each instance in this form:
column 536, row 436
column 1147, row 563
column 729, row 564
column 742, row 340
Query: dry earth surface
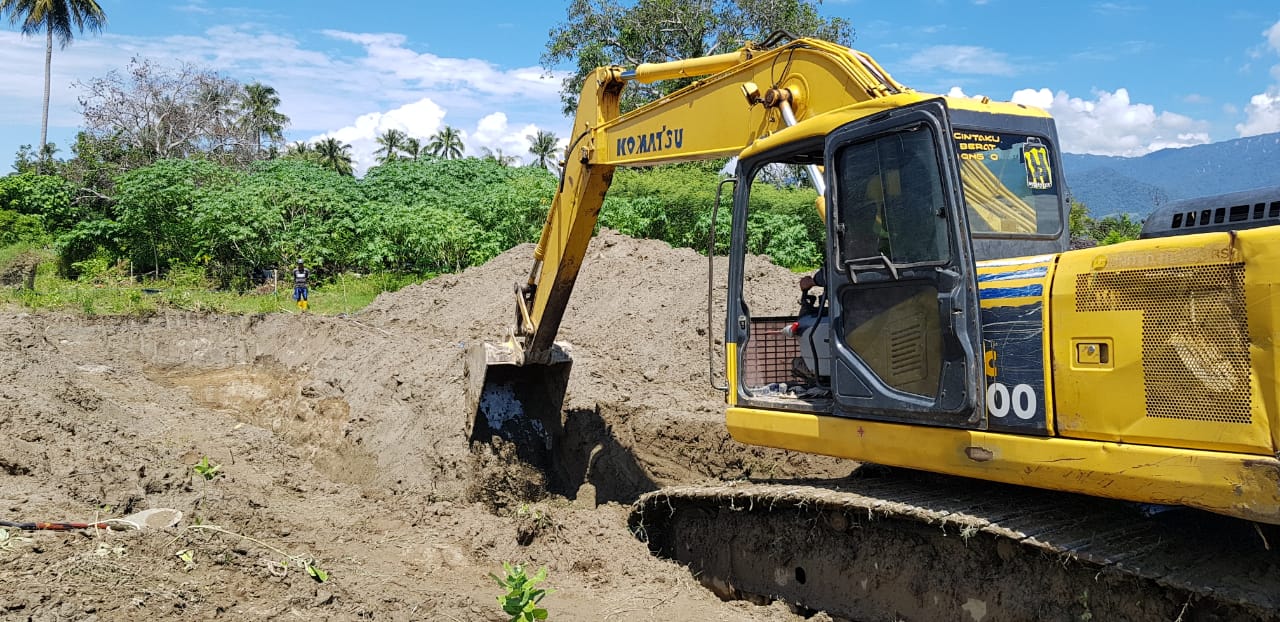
column 340, row 439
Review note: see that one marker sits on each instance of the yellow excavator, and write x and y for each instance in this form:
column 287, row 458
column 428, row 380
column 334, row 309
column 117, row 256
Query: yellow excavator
column 957, row 338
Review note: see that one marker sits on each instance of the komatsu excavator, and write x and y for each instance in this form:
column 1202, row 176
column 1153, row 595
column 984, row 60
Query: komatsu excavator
column 958, row 339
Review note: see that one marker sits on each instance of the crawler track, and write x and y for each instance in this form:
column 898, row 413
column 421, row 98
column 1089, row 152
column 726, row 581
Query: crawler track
column 914, row 546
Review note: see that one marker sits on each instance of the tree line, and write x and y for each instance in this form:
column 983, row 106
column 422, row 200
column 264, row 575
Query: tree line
column 422, row 216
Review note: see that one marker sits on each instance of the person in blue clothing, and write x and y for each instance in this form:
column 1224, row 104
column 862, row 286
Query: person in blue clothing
column 300, row 275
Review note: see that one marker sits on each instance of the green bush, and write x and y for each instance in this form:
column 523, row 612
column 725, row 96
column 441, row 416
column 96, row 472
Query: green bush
column 16, row 228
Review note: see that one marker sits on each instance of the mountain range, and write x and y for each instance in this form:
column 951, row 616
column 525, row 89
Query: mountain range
column 1110, row 185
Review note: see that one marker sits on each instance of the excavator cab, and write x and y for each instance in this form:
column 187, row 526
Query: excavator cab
column 903, row 329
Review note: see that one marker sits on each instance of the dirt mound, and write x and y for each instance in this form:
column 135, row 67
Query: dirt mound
column 20, row 271
column 340, row 443
column 637, row 323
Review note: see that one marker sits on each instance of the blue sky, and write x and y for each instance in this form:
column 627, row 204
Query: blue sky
column 1121, row 77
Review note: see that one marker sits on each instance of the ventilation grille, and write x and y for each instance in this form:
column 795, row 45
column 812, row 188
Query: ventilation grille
column 907, row 349
column 1195, row 336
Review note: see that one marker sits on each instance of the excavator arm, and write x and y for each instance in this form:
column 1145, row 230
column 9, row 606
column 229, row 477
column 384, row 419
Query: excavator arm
column 749, row 94
column 516, row 389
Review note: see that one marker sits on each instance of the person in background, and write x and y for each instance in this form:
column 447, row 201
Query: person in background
column 300, row 275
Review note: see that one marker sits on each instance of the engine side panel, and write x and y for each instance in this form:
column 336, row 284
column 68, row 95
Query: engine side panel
column 1169, row 342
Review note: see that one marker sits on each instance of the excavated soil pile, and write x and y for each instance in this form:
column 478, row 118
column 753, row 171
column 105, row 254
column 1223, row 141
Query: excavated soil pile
column 341, row 452
column 20, row 271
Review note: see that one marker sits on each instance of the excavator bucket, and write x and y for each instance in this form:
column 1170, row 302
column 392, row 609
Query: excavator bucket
column 517, row 401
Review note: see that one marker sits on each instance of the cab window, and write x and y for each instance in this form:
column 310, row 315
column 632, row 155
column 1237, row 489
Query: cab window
column 1010, row 186
column 891, row 199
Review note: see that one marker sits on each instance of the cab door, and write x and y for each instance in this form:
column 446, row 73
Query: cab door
column 906, row 336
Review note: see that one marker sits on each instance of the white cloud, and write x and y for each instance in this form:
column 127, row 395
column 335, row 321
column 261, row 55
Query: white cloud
column 387, row 55
column 1273, row 36
column 494, row 134
column 961, row 59
column 420, row 120
column 1111, row 124
column 1262, row 113
column 1111, row 8
column 360, row 85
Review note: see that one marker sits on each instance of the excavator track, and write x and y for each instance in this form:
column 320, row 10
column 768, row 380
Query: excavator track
column 915, row 546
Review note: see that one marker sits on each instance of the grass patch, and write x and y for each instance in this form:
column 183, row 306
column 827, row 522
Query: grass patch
column 105, row 290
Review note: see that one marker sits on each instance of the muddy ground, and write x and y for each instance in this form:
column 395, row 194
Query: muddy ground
column 341, row 444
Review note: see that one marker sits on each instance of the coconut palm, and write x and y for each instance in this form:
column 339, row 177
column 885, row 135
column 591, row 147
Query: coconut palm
column 414, row 148
column 56, row 18
column 497, row 156
column 391, row 142
column 298, row 148
column 447, row 144
column 335, row 154
column 258, row 105
column 543, row 147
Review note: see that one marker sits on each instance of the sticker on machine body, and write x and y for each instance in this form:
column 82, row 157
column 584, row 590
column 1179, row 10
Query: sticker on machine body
column 1012, row 296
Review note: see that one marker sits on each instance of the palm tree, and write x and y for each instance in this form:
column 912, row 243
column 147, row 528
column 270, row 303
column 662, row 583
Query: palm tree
column 543, row 146
column 336, row 155
column 55, row 18
column 447, row 144
column 414, row 148
column 391, row 141
column 298, row 148
column 46, row 164
column 258, row 104
column 497, row 156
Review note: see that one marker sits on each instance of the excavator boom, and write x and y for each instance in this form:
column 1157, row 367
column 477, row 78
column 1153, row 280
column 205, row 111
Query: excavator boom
column 746, row 96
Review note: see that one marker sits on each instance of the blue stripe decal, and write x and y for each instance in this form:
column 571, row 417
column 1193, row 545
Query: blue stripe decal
column 1019, row 274
column 1010, row 292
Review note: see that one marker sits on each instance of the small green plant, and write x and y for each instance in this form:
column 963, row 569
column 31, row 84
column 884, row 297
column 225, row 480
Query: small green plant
column 1083, row 599
column 188, row 558
column 522, row 597
column 316, row 572
column 534, row 515
column 532, row 522
column 287, row 560
column 206, row 469
column 309, row 565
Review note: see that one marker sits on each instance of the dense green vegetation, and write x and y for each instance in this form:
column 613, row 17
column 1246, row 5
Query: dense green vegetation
column 107, row 290
column 1106, row 230
column 194, row 221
